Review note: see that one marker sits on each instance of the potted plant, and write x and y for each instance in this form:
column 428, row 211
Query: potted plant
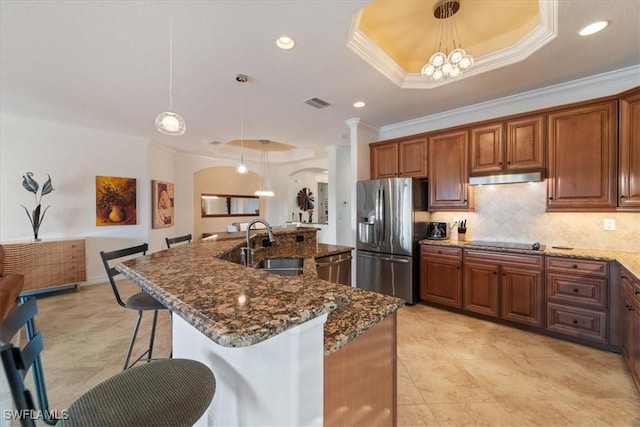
column 37, row 215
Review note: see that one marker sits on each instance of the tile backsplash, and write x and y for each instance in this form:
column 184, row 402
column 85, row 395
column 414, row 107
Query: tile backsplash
column 516, row 213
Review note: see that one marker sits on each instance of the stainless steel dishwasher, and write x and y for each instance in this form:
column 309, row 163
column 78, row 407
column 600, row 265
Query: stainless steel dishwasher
column 335, row 268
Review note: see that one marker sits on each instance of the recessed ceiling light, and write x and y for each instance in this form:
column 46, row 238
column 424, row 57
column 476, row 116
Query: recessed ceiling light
column 285, row 42
column 593, row 28
column 359, row 104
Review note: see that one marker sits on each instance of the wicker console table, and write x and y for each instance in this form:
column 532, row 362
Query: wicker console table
column 47, row 266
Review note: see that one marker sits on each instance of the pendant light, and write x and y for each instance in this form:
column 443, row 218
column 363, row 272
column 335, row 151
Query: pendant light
column 445, row 63
column 242, row 168
column 169, row 122
column 265, row 186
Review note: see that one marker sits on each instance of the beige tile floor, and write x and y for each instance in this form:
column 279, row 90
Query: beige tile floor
column 453, row 370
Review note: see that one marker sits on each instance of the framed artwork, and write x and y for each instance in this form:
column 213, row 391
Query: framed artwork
column 116, row 201
column 162, row 211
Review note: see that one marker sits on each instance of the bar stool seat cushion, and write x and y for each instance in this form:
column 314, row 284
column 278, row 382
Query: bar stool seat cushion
column 143, row 301
column 175, row 391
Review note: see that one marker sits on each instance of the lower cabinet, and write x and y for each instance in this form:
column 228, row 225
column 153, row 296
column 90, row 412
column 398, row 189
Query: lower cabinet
column 441, row 275
column 630, row 324
column 506, row 286
column 577, row 298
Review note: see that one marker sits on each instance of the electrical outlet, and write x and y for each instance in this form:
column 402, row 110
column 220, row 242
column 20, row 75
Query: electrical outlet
column 456, row 220
column 609, row 224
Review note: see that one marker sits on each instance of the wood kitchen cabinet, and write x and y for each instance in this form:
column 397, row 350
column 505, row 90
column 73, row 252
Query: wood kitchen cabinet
column 441, row 275
column 448, row 172
column 512, row 146
column 630, row 324
column 405, row 157
column 502, row 285
column 629, row 145
column 582, row 147
column 577, row 298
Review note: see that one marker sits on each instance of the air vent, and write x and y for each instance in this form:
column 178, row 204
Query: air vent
column 317, row 102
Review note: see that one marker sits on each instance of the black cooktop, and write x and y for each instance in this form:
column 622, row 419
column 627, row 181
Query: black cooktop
column 509, row 245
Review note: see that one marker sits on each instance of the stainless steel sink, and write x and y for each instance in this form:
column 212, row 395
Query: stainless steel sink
column 281, row 266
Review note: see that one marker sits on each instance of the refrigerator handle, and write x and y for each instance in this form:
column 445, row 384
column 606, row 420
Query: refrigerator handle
column 381, row 218
column 383, row 258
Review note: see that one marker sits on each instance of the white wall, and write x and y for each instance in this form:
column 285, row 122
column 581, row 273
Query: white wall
column 73, row 157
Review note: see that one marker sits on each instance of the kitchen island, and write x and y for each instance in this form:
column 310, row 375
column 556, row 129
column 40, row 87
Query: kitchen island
column 267, row 338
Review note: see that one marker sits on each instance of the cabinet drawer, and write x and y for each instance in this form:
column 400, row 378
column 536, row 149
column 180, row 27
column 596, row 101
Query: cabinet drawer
column 585, row 266
column 577, row 322
column 504, row 258
column 569, row 289
column 442, row 251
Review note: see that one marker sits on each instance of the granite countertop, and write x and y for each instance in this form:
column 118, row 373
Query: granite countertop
column 225, row 235
column 238, row 306
column 629, row 260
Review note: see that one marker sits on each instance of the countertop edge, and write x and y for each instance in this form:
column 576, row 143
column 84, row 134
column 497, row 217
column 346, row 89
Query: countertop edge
column 629, row 260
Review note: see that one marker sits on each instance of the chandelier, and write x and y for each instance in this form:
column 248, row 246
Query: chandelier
column 169, row 122
column 265, row 186
column 447, row 64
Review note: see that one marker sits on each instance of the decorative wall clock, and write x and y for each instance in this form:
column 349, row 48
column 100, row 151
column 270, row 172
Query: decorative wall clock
column 305, row 199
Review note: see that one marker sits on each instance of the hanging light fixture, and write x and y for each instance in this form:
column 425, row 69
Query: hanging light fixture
column 265, row 186
column 448, row 63
column 242, row 78
column 169, row 122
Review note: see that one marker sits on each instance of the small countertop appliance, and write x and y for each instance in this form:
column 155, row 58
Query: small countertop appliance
column 437, row 230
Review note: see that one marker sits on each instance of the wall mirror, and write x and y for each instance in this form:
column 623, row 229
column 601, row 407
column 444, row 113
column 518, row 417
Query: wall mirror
column 216, row 205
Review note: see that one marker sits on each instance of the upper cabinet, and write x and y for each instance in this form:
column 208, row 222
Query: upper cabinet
column 589, row 152
column 487, row 149
column 525, row 144
column 448, row 172
column 513, row 146
column 582, row 146
column 629, row 182
column 405, row 157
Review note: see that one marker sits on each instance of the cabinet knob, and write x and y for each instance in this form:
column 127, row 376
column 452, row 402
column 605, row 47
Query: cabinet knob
column 550, row 198
column 574, row 321
column 508, row 162
column 629, row 307
column 574, row 266
column 637, row 292
column 622, row 196
column 575, row 290
column 439, row 252
column 500, row 163
column 494, row 273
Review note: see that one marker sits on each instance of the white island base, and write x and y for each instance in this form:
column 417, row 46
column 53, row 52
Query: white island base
column 277, row 382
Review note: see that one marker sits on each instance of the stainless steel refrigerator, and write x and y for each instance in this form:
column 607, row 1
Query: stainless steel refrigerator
column 387, row 257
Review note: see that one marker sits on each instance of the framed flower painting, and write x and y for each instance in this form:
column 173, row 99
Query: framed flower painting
column 115, row 201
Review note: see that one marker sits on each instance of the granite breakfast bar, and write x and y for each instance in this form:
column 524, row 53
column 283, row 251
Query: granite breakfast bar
column 270, row 340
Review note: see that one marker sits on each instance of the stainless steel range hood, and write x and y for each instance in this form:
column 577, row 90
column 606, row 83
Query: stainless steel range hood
column 511, row 178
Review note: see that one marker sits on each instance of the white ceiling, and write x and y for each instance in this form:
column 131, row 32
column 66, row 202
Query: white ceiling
column 105, row 65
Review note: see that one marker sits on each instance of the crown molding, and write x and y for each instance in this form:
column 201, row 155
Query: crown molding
column 73, row 128
column 564, row 93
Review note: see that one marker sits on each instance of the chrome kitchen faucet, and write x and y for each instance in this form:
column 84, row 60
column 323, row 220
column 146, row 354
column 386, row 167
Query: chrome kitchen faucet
column 247, row 252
